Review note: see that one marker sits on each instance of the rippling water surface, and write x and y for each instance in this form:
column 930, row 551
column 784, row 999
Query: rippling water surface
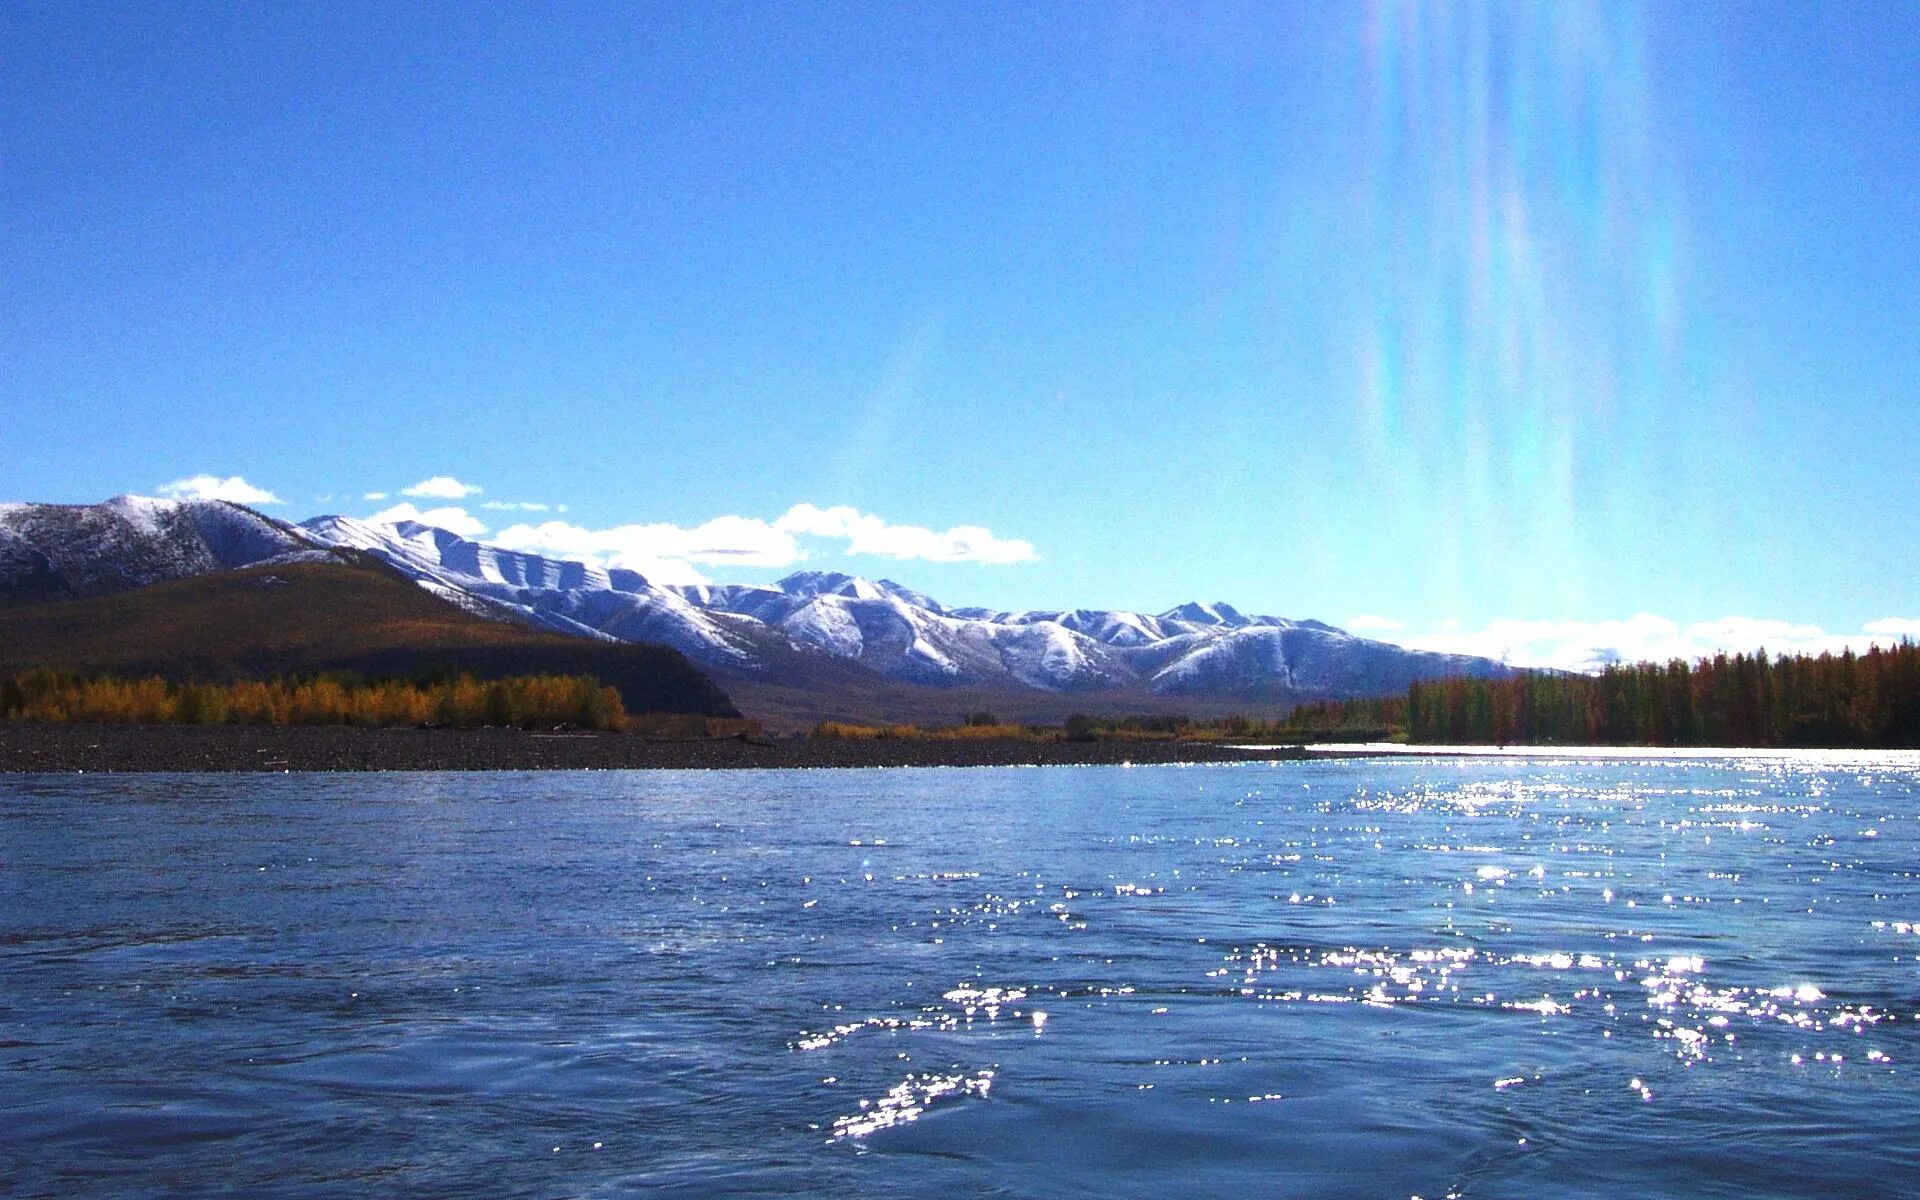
column 1365, row 978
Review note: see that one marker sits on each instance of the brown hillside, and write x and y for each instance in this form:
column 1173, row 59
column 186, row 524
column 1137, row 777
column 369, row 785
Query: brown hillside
column 270, row 621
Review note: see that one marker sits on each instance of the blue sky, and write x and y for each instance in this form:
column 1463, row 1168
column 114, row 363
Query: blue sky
column 1538, row 328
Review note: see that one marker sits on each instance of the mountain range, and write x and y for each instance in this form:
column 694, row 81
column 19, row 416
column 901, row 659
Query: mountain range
column 817, row 630
column 209, row 591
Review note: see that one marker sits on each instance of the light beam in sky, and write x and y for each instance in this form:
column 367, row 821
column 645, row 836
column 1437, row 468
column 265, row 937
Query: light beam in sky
column 1519, row 311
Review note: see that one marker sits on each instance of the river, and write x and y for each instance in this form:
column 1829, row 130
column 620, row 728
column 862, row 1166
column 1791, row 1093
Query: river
column 1477, row 977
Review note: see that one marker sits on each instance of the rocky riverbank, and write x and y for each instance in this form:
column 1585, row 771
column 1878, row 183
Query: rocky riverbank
column 29, row 747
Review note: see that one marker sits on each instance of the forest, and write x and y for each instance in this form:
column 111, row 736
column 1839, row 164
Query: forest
column 1869, row 700
column 458, row 702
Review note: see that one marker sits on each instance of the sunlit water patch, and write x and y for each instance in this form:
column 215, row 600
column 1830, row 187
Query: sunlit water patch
column 1686, row 977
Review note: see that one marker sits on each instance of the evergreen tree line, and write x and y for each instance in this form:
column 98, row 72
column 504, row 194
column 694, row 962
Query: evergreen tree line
column 1869, row 700
column 460, row 702
column 1369, row 719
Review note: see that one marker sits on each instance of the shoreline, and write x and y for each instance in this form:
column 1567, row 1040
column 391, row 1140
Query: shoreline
column 29, row 748
column 1519, row 752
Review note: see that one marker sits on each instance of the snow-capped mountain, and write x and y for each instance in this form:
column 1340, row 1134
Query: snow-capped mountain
column 570, row 597
column 767, row 631
column 902, row 634
column 51, row 550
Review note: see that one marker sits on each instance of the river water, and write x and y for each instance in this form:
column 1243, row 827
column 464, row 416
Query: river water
column 1475, row 978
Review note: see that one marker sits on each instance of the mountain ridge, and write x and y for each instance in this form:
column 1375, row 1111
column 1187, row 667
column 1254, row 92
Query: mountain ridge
column 296, row 618
column 786, row 633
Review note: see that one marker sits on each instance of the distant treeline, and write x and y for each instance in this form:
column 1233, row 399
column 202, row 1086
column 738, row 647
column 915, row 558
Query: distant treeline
column 1357, row 720
column 1352, row 720
column 848, row 731
column 1371, row 719
column 462, row 702
column 1869, row 700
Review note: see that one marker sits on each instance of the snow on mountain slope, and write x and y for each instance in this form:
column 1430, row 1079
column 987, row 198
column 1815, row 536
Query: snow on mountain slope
column 1237, row 660
column 1119, row 628
column 762, row 603
column 1123, row 629
column 658, row 615
column 1114, row 628
column 570, row 597
column 904, row 635
column 893, row 631
column 1198, row 615
column 830, row 583
column 437, row 554
column 1300, row 658
column 829, row 626
column 1047, row 654
column 130, row 541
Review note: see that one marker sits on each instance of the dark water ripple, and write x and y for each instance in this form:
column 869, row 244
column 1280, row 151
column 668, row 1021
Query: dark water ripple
column 1366, row 979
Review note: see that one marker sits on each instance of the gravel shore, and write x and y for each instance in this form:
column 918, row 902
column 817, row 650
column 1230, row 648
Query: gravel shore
column 27, row 747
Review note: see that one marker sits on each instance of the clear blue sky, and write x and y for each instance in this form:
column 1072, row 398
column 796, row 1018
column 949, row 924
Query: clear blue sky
column 1438, row 313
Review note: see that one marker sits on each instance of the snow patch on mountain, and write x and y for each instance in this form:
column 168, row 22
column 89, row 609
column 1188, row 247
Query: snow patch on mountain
column 131, row 541
column 1222, row 615
column 829, row 626
column 562, row 595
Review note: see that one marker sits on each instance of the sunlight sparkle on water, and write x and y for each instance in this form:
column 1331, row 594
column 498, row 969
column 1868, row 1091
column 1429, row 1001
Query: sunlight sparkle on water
column 1045, row 966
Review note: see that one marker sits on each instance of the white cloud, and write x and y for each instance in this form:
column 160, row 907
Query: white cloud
column 662, row 552
column 212, row 487
column 1895, row 627
column 375, row 496
column 442, row 487
column 451, row 518
column 1369, row 623
column 673, row 554
column 868, row 534
column 1591, row 645
column 1568, row 645
column 516, row 506
column 1751, row 632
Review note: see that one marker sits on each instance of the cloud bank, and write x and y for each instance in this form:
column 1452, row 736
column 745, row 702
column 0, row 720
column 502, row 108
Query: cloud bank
column 663, row 553
column 451, row 518
column 1591, row 645
column 674, row 554
column 867, row 534
column 668, row 553
column 212, row 487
